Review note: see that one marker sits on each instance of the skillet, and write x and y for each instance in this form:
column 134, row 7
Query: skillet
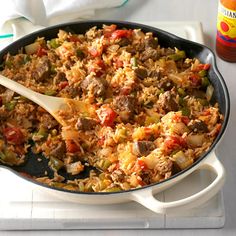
column 142, row 195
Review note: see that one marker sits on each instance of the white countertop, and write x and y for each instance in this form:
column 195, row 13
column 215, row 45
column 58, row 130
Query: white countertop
column 180, row 10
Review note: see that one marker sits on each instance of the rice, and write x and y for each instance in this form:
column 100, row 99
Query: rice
column 139, row 113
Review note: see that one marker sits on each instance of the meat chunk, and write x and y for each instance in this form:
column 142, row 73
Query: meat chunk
column 166, row 84
column 97, row 86
column 3, row 114
column 168, row 51
column 124, row 42
column 151, row 42
column 143, row 148
column 47, row 121
column 154, row 74
column 150, row 53
column 85, row 124
column 71, row 91
column 2, row 89
column 42, row 69
column 198, row 126
column 167, row 102
column 60, row 76
column 141, row 73
column 19, row 76
column 197, row 93
column 59, row 151
column 125, row 106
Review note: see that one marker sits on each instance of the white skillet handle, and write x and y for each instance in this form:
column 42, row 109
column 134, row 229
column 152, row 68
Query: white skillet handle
column 145, row 197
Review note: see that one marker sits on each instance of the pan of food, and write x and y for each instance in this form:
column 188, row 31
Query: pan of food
column 145, row 109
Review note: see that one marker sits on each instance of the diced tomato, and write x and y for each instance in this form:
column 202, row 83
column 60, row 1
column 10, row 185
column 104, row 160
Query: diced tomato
column 202, row 67
column 195, row 80
column 206, row 112
column 106, row 115
column 185, row 120
column 206, row 66
column 71, row 146
column 117, row 34
column 101, row 141
column 179, row 118
column 101, row 64
column 176, row 118
column 142, row 183
column 13, row 135
column 63, row 84
column 74, row 38
column 41, row 52
column 107, row 31
column 174, row 142
column 218, row 128
column 117, row 166
column 142, row 164
column 147, row 130
column 99, row 71
column 118, row 63
column 95, row 52
column 125, row 90
column 19, row 150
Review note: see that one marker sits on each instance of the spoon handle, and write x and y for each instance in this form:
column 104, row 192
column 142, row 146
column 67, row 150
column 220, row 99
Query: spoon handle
column 51, row 104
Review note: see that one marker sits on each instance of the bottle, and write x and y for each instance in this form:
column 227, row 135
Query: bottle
column 226, row 30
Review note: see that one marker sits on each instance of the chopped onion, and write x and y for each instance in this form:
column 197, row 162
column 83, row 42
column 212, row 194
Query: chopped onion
column 32, row 48
column 179, row 128
column 209, row 92
column 195, row 140
column 75, row 168
column 69, row 134
column 182, row 160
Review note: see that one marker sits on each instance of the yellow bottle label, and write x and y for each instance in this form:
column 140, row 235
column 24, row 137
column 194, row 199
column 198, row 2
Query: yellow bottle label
column 226, row 26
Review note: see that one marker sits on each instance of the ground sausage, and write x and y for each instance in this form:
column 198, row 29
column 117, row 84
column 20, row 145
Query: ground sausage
column 198, row 126
column 151, row 42
column 124, row 42
column 48, row 121
column 59, row 151
column 85, row 124
column 143, row 148
column 149, row 53
column 42, row 70
column 166, row 84
column 141, row 73
column 167, row 102
column 125, row 106
column 97, row 86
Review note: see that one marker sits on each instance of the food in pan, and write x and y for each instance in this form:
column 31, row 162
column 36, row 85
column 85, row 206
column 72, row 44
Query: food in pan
column 138, row 112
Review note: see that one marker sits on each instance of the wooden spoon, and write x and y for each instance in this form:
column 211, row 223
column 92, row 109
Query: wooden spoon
column 50, row 104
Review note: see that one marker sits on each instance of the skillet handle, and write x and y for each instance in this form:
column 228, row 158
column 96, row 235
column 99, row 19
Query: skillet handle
column 145, row 197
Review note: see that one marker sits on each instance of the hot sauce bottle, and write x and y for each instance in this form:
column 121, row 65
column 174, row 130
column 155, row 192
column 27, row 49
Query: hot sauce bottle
column 226, row 30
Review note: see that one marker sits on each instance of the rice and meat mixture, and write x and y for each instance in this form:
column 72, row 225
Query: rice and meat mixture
column 139, row 113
